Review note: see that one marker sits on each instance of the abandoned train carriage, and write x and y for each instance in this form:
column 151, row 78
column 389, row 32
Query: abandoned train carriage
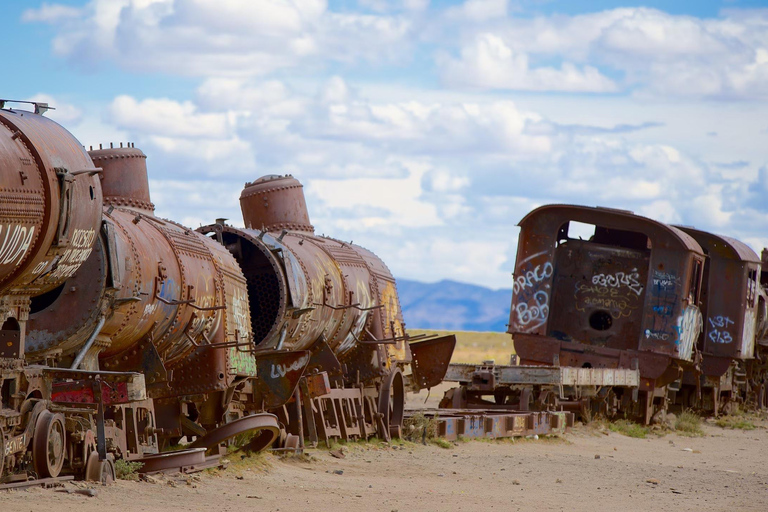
column 731, row 366
column 604, row 288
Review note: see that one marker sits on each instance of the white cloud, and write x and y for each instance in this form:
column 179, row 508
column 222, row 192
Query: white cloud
column 478, row 10
column 51, row 13
column 167, row 118
column 236, row 38
column 391, row 173
column 645, row 50
column 478, row 42
column 489, row 63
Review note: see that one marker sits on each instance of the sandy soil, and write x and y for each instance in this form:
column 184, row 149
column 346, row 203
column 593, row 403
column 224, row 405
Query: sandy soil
column 725, row 470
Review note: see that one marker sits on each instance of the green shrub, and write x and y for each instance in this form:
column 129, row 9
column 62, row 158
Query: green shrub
column 126, row 470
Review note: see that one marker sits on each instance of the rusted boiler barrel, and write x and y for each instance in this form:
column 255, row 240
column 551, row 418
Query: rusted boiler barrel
column 303, row 288
column 50, row 203
column 166, row 295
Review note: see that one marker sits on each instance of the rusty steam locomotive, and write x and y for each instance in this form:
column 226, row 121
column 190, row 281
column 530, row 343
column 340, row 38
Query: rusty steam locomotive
column 123, row 332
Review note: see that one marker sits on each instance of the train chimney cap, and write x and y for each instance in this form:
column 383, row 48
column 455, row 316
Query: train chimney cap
column 124, row 180
column 275, row 203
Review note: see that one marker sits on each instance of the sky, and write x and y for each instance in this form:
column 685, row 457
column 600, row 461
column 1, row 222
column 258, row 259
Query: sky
column 423, row 130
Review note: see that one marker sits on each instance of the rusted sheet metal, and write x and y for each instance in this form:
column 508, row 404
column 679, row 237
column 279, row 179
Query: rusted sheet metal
column 75, row 392
column 430, row 360
column 264, row 428
column 78, row 386
column 535, row 375
column 453, row 424
column 305, row 289
column 178, row 460
column 730, row 294
column 124, row 182
column 627, row 292
column 278, row 376
column 50, row 203
column 274, row 203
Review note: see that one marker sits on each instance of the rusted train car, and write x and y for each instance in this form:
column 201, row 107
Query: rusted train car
column 605, row 288
column 50, row 214
column 339, row 302
column 123, row 332
column 158, row 298
column 730, row 367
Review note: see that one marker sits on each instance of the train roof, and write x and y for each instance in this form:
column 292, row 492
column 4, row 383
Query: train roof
column 660, row 234
column 724, row 246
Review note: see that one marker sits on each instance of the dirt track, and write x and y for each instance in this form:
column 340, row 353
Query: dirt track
column 726, row 470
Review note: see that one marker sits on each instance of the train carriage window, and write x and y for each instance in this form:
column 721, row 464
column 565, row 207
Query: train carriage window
column 694, row 287
column 751, row 287
column 573, row 230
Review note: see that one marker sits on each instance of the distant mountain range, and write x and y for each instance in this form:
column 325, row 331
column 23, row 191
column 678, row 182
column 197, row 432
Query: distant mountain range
column 449, row 305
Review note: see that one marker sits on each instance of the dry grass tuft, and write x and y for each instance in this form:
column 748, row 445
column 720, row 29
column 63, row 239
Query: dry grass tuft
column 689, row 424
column 629, row 429
column 737, row 420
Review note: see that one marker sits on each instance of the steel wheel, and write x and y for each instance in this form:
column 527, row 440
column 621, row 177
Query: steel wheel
column 49, row 444
column 391, row 406
column 264, row 426
column 100, row 471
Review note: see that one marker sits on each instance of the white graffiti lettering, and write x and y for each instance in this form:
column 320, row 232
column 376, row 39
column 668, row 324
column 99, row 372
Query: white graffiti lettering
column 723, row 337
column 656, row 335
column 536, row 313
column 720, row 321
column 718, row 331
column 15, row 244
column 619, row 279
column 40, row 267
column 280, row 370
column 532, row 277
column 80, row 246
column 240, row 312
column 149, row 309
column 15, row 444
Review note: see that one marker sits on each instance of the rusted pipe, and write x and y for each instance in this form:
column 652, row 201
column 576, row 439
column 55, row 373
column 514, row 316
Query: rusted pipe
column 81, row 355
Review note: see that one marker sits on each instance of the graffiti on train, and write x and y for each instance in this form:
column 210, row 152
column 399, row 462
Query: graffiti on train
column 16, row 240
column 629, row 280
column 531, row 290
column 719, row 329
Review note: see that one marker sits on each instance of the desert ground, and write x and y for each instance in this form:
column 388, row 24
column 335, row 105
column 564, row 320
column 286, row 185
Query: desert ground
column 592, row 468
column 589, row 469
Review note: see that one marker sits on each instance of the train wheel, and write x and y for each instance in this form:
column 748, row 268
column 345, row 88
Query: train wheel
column 49, row 444
column 100, row 470
column 391, row 406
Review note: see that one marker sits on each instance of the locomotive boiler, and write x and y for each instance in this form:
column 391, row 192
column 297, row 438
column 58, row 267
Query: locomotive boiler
column 336, row 300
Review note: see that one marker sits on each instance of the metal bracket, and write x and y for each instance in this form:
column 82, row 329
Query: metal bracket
column 40, row 107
